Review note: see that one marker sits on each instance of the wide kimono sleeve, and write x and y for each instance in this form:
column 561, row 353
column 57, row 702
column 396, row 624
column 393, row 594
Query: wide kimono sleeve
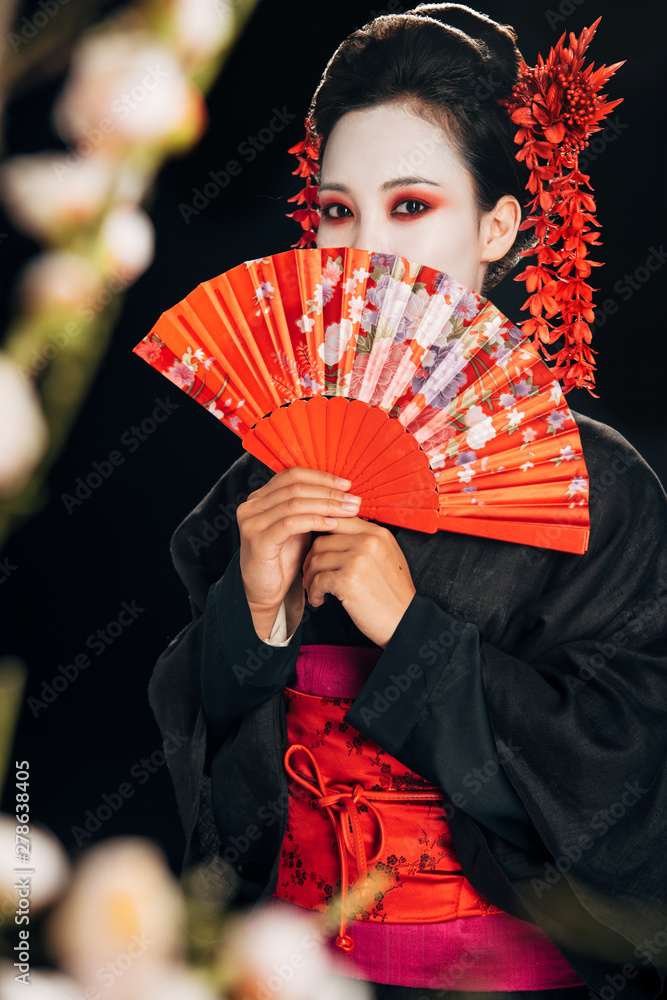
column 205, row 553
column 563, row 660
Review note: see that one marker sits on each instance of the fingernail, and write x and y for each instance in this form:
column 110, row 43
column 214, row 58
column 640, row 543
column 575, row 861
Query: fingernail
column 350, row 506
column 343, row 482
column 352, row 498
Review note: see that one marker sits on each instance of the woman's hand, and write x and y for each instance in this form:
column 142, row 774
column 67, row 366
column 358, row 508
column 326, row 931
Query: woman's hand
column 275, row 524
column 361, row 564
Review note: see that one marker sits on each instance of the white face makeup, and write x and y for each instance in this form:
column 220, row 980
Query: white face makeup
column 392, row 182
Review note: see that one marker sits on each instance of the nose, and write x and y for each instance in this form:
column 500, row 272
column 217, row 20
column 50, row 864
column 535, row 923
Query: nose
column 371, row 236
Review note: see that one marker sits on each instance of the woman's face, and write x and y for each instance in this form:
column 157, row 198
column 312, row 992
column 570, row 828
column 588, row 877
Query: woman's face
column 393, row 183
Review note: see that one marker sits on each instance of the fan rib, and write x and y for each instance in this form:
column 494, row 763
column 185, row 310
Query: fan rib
column 393, row 375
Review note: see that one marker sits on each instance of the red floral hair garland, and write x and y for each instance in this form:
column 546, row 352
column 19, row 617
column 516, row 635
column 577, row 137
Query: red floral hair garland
column 558, row 106
column 307, row 153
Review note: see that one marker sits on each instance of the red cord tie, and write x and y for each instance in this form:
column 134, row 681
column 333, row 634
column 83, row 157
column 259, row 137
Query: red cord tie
column 340, row 798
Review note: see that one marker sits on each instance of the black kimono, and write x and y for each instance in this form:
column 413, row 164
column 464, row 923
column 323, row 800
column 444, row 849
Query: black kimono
column 530, row 685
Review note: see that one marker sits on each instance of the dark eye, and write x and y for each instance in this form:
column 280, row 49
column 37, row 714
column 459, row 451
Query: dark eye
column 336, row 211
column 412, row 207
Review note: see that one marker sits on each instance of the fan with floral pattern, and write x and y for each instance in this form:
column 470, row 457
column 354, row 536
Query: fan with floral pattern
column 391, row 374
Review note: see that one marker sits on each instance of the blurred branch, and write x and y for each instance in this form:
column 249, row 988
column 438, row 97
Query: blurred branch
column 12, row 682
column 44, row 56
column 7, row 12
column 48, row 52
column 60, row 207
column 7, row 16
column 63, row 391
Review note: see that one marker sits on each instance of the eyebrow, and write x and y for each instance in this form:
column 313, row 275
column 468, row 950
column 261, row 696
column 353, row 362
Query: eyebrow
column 387, row 186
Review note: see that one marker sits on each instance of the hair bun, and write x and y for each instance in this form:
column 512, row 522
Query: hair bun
column 495, row 42
column 456, row 67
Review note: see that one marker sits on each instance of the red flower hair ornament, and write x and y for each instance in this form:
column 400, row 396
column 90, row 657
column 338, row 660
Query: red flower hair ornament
column 558, row 106
column 307, row 153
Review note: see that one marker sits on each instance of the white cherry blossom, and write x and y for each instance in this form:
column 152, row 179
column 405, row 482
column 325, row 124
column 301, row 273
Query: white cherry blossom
column 480, row 428
column 128, row 238
column 42, row 985
column 124, row 87
column 44, row 194
column 306, row 323
column 23, row 437
column 356, row 308
column 47, row 859
column 336, row 339
column 58, row 280
column 200, row 28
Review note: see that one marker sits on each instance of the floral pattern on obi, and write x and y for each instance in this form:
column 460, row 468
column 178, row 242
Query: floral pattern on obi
column 417, row 863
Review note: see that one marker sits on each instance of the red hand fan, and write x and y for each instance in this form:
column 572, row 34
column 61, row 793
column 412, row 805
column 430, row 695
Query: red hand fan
column 391, row 374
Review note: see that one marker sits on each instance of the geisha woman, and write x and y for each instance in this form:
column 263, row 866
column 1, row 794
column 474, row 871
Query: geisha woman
column 479, row 722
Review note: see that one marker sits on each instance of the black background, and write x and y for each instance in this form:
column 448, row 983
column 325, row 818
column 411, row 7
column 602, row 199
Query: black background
column 74, row 570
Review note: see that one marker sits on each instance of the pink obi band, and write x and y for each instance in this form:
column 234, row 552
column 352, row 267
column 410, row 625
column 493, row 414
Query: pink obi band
column 491, row 953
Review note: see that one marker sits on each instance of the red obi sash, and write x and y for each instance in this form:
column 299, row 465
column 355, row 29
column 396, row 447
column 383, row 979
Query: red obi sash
column 354, row 809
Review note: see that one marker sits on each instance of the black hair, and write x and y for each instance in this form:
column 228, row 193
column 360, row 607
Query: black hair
column 450, row 65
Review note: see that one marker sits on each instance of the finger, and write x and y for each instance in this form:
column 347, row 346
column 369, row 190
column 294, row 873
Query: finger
column 356, row 560
column 296, row 490
column 324, row 582
column 263, row 519
column 300, row 498
column 361, row 536
column 276, row 533
column 313, row 475
column 360, row 526
column 299, row 474
column 331, row 542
